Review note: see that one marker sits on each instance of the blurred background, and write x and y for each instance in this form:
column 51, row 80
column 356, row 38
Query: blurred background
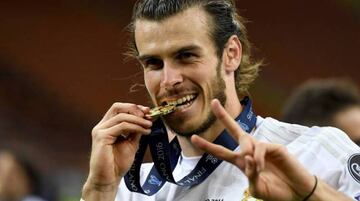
column 62, row 66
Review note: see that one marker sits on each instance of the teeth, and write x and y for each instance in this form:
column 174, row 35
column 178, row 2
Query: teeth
column 181, row 100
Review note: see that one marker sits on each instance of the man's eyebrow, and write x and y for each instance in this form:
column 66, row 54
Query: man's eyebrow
column 180, row 50
column 145, row 57
column 187, row 48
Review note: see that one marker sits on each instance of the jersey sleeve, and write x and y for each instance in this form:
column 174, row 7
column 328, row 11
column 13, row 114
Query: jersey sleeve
column 335, row 158
column 349, row 182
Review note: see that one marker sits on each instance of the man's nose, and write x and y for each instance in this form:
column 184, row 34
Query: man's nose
column 171, row 76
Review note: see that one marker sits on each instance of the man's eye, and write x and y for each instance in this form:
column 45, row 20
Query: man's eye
column 153, row 64
column 186, row 56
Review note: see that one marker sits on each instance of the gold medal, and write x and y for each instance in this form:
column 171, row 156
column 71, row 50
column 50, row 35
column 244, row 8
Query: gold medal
column 162, row 110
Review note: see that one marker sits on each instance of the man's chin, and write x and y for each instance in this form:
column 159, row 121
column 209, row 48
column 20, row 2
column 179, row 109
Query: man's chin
column 182, row 131
column 194, row 130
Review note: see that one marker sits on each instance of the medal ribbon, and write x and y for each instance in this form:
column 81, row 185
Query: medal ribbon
column 165, row 156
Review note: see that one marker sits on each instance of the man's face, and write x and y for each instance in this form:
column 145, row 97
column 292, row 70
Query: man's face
column 180, row 64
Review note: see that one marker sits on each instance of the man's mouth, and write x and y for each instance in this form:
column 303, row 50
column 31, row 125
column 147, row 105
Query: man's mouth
column 168, row 107
column 182, row 102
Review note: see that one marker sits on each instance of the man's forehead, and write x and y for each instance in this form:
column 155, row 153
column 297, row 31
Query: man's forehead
column 185, row 19
column 188, row 28
column 189, row 13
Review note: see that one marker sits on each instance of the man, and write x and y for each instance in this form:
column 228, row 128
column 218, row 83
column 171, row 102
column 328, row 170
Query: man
column 326, row 102
column 195, row 53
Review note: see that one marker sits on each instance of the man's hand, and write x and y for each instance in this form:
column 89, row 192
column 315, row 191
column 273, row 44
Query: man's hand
column 115, row 140
column 272, row 172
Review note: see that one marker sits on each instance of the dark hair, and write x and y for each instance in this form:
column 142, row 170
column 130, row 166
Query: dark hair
column 316, row 102
column 32, row 174
column 30, row 171
column 225, row 22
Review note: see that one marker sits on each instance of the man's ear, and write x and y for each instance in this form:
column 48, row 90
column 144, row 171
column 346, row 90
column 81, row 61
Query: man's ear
column 232, row 54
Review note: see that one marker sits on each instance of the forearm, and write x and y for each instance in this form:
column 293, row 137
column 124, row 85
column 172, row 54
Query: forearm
column 93, row 192
column 324, row 192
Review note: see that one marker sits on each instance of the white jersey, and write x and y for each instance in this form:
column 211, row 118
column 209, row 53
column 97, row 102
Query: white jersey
column 324, row 151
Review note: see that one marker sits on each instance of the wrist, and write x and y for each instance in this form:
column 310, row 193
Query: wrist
column 100, row 187
column 98, row 191
column 310, row 195
column 324, row 192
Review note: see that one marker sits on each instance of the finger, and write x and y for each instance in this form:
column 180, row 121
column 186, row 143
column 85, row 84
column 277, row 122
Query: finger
column 246, row 144
column 279, row 152
column 124, row 129
column 144, row 109
column 134, row 138
column 124, row 117
column 117, row 108
column 214, row 149
column 137, row 137
column 229, row 123
column 251, row 173
column 250, row 167
column 245, row 141
column 259, row 155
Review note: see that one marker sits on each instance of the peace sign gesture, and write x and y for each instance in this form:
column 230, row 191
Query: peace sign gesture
column 274, row 174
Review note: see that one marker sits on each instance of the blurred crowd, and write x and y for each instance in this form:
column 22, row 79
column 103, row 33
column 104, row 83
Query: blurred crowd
column 19, row 180
column 326, row 102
